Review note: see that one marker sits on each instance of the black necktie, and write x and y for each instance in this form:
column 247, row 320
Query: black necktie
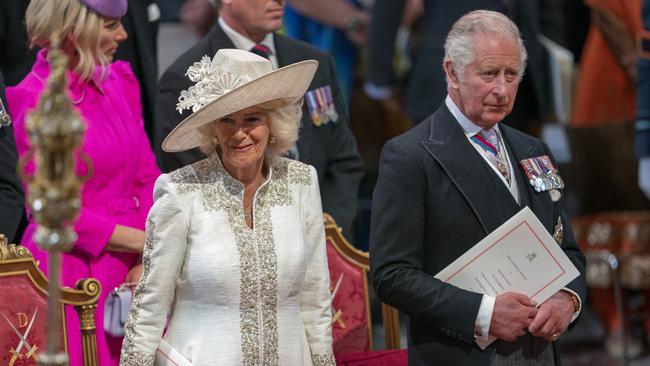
column 261, row 50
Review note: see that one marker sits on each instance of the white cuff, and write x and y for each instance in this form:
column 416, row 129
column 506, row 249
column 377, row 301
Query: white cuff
column 483, row 318
column 575, row 314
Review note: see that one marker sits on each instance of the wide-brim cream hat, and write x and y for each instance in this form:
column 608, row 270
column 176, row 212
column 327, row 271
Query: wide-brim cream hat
column 234, row 80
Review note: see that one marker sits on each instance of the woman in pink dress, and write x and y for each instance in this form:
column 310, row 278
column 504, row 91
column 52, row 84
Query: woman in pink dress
column 117, row 198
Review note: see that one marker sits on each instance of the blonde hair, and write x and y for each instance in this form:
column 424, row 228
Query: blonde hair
column 284, row 121
column 68, row 18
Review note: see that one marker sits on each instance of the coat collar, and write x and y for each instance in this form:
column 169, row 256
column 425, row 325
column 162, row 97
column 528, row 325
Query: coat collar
column 447, row 144
column 242, row 42
column 76, row 86
column 284, row 53
column 218, row 39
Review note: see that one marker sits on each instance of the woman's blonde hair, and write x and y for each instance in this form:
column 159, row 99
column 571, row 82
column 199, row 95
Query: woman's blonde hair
column 284, row 121
column 68, row 19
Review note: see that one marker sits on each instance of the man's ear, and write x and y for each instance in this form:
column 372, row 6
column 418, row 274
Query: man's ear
column 452, row 77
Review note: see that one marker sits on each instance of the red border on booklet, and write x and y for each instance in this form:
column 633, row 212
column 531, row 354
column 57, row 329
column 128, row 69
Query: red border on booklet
column 563, row 271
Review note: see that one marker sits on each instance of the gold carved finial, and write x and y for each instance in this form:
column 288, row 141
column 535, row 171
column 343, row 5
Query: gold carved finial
column 4, row 249
column 12, row 251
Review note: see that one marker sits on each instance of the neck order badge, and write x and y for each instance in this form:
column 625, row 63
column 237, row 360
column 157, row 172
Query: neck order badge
column 489, row 140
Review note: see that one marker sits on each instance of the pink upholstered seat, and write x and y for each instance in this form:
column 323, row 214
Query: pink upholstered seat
column 23, row 308
column 351, row 328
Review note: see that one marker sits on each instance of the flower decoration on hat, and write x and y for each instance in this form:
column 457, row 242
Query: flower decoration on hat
column 211, row 83
column 232, row 81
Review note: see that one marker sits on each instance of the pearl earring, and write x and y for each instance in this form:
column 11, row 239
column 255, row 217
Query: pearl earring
column 272, row 140
column 215, row 141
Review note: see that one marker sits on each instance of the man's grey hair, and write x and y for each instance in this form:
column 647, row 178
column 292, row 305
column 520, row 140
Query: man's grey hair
column 459, row 45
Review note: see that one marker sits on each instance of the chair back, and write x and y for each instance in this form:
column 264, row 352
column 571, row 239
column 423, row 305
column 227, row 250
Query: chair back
column 23, row 308
column 624, row 234
column 352, row 324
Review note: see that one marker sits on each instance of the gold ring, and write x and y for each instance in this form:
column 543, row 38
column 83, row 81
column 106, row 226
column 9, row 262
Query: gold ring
column 555, row 336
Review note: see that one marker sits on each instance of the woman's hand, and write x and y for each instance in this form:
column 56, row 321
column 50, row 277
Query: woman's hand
column 133, row 277
column 126, row 239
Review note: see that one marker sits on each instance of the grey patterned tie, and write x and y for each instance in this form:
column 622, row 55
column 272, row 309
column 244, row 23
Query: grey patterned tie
column 497, row 156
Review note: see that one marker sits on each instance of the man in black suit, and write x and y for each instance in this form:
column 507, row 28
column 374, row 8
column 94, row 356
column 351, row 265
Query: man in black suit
column 11, row 192
column 139, row 49
column 446, row 184
column 425, row 87
column 16, row 58
column 325, row 140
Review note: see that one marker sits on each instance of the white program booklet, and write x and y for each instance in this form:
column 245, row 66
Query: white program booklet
column 519, row 256
column 166, row 355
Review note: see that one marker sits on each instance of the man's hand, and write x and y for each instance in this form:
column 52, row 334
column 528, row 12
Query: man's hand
column 357, row 27
column 512, row 315
column 553, row 317
column 126, row 239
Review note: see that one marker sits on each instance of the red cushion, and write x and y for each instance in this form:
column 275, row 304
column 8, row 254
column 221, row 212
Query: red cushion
column 397, row 357
column 351, row 333
column 21, row 302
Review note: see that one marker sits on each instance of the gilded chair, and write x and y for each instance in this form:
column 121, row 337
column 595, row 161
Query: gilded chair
column 23, row 308
column 352, row 325
column 616, row 245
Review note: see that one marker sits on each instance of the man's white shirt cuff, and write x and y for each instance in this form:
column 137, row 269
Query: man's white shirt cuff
column 577, row 313
column 483, row 318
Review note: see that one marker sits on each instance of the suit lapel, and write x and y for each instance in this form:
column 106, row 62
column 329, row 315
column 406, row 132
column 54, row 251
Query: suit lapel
column 218, row 40
column 540, row 203
column 142, row 39
column 283, row 51
column 286, row 55
column 468, row 171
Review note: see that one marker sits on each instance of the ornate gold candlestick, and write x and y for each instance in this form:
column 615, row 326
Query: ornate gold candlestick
column 55, row 132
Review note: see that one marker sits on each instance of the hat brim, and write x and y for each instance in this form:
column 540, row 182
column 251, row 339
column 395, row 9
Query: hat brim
column 288, row 84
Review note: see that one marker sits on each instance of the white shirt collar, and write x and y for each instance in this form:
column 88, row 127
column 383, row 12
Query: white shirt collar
column 468, row 126
column 242, row 42
column 472, row 129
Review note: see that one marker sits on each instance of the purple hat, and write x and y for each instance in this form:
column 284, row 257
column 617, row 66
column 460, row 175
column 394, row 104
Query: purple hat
column 107, row 8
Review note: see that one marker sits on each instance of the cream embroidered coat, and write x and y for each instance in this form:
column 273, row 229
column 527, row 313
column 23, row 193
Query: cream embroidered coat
column 238, row 296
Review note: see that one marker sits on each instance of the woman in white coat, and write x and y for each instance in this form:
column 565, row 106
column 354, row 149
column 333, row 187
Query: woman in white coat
column 235, row 250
